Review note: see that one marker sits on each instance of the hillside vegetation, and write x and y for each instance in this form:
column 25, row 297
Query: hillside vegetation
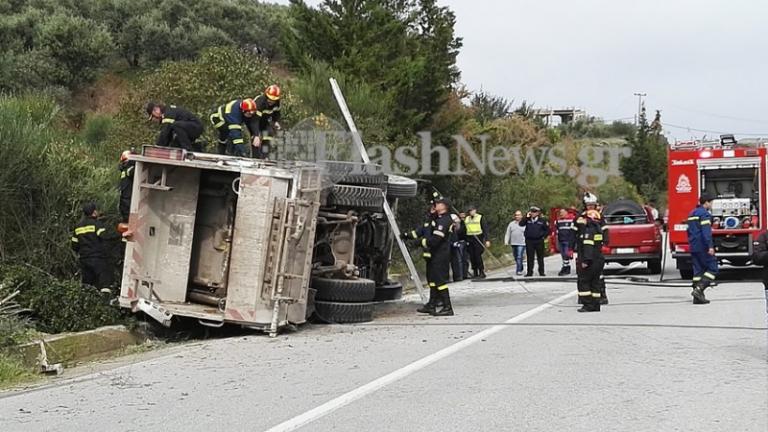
column 75, row 74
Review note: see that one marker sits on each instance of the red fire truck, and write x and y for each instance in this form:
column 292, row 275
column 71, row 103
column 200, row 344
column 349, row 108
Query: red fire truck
column 734, row 172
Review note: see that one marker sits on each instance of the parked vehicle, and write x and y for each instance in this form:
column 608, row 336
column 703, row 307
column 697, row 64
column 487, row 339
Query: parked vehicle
column 632, row 235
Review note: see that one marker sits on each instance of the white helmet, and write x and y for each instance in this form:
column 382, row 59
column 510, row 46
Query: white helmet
column 590, row 198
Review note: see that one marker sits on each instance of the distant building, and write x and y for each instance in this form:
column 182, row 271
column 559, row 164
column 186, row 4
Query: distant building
column 566, row 115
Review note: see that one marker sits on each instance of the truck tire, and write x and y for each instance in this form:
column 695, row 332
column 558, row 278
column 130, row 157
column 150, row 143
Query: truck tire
column 343, row 313
column 356, row 196
column 389, row 291
column 344, row 290
column 378, row 181
column 401, row 187
column 654, row 266
column 686, row 273
column 352, row 173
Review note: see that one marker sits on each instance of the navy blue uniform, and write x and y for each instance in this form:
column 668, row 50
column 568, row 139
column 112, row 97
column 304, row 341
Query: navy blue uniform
column 700, row 242
column 179, row 128
column 590, row 263
column 228, row 120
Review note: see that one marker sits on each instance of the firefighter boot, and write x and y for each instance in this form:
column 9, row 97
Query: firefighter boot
column 591, row 304
column 566, row 270
column 603, row 296
column 447, row 309
column 482, row 274
column 429, row 307
column 698, row 292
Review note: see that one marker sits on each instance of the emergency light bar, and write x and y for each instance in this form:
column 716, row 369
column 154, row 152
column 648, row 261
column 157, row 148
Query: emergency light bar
column 725, row 141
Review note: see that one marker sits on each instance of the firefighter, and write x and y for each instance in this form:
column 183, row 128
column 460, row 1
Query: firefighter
column 228, row 120
column 90, row 242
column 265, row 122
column 421, row 233
column 477, row 241
column 127, row 168
column 565, row 240
column 702, row 248
column 458, row 249
column 590, row 260
column 591, row 202
column 438, row 244
column 178, row 127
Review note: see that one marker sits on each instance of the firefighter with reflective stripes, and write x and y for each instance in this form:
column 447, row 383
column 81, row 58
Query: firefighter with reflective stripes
column 590, row 260
column 421, row 233
column 591, row 203
column 90, row 242
column 439, row 245
column 702, row 249
column 265, row 121
column 178, row 127
column 477, row 241
column 127, row 168
column 228, row 120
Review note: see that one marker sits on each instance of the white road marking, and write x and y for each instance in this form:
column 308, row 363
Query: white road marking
column 360, row 392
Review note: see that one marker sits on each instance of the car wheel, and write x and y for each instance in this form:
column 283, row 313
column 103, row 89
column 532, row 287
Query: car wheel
column 401, row 187
column 344, row 290
column 390, row 291
column 654, row 266
column 343, row 313
column 356, row 196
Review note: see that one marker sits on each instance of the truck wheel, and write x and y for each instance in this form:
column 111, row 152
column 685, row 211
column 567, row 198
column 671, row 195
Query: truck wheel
column 356, row 196
column 354, row 173
column 344, row 290
column 378, row 181
column 401, row 187
column 686, row 273
column 389, row 291
column 654, row 266
column 343, row 313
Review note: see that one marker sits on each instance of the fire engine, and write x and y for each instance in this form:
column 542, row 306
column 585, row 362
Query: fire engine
column 732, row 171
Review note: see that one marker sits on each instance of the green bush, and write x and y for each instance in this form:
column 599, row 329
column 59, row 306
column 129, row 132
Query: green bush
column 58, row 305
column 97, row 129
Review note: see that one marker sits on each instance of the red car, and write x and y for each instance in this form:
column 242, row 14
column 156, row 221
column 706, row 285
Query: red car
column 633, row 235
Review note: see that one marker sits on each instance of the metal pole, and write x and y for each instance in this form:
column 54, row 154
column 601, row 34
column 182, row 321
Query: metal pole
column 639, row 106
column 387, row 210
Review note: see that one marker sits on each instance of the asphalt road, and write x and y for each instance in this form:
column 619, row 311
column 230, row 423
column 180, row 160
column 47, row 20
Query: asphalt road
column 515, row 357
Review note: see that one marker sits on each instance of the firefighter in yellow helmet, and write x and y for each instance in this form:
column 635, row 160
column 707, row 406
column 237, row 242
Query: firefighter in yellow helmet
column 265, row 122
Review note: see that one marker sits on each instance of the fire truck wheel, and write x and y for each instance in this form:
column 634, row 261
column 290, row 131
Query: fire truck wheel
column 378, row 181
column 344, row 290
column 356, row 197
column 401, row 187
column 343, row 313
column 353, row 173
column 654, row 266
column 389, row 291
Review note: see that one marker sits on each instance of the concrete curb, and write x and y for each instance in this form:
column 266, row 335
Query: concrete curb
column 70, row 348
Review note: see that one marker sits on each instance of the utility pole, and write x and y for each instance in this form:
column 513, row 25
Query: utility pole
column 639, row 106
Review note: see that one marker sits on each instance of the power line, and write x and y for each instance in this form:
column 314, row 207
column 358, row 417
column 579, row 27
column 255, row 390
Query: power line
column 713, row 131
column 719, row 115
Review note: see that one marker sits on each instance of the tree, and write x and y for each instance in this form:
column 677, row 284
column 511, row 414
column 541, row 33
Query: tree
column 405, row 48
column 488, row 107
column 646, row 168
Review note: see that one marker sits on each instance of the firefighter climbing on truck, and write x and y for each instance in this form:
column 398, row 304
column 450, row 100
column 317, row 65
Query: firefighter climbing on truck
column 265, row 122
column 178, row 127
column 228, row 120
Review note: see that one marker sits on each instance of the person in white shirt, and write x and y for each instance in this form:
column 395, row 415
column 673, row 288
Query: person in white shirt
column 515, row 237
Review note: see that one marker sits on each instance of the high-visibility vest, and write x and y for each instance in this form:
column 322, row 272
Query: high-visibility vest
column 473, row 225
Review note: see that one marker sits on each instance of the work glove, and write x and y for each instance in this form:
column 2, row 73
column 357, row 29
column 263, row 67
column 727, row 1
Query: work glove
column 256, row 141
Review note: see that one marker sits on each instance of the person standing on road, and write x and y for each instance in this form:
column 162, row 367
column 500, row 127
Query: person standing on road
column 760, row 257
column 90, row 242
column 536, row 230
column 591, row 203
column 477, row 241
column 458, row 249
column 590, row 261
column 438, row 244
column 566, row 240
column 178, row 127
column 421, row 233
column 515, row 238
column 465, row 258
column 702, row 248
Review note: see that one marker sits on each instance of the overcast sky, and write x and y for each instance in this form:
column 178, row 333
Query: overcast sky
column 704, row 63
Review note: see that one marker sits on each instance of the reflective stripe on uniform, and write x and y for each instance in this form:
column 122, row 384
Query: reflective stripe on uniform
column 588, row 242
column 706, row 222
column 228, row 108
column 696, row 278
column 598, row 237
column 596, row 295
column 235, row 126
column 692, row 218
column 238, row 141
column 432, row 284
column 426, row 255
column 259, row 113
column 414, row 234
column 85, row 230
column 438, row 233
column 101, row 230
column 709, row 275
column 424, row 242
column 168, row 120
column 473, row 225
column 442, row 287
column 585, row 293
column 217, row 120
column 75, row 240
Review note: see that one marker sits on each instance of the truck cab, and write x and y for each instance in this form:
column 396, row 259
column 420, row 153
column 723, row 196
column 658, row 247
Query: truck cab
column 734, row 172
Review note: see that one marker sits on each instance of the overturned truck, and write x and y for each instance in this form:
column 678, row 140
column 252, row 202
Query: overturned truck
column 257, row 243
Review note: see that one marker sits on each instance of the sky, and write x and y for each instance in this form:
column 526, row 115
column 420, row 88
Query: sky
column 703, row 63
